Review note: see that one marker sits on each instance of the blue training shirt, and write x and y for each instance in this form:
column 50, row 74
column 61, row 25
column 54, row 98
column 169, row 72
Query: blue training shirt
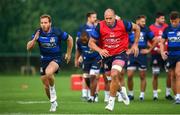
column 173, row 36
column 87, row 28
column 84, row 49
column 50, row 43
column 145, row 36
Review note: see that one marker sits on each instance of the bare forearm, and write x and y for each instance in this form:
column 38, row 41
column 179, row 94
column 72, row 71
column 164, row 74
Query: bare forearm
column 31, row 44
column 162, row 45
column 93, row 46
column 69, row 45
column 136, row 29
column 155, row 41
column 77, row 55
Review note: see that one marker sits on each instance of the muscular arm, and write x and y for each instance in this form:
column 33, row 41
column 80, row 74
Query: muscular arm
column 134, row 49
column 69, row 48
column 93, row 46
column 155, row 41
column 32, row 42
column 163, row 52
column 151, row 46
column 136, row 30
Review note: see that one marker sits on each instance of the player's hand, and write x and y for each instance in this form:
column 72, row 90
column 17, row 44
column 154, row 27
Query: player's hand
column 145, row 51
column 104, row 52
column 164, row 55
column 128, row 52
column 67, row 57
column 135, row 50
column 80, row 60
column 157, row 49
column 76, row 63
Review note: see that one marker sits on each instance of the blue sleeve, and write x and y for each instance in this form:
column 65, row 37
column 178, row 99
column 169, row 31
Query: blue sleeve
column 128, row 25
column 78, row 46
column 131, row 37
column 150, row 34
column 79, row 31
column 62, row 35
column 164, row 36
column 96, row 32
column 78, row 34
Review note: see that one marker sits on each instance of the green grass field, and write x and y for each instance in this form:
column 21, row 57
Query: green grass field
column 25, row 95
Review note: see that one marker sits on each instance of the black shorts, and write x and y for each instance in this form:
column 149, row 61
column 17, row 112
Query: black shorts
column 171, row 61
column 109, row 60
column 45, row 63
column 140, row 61
column 157, row 61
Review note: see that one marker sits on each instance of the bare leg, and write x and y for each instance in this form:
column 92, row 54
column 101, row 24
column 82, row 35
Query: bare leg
column 143, row 83
column 45, row 82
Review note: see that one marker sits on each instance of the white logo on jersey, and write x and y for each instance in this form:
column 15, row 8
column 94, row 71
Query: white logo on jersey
column 160, row 33
column 141, row 38
column 174, row 38
column 111, row 35
column 52, row 40
column 178, row 34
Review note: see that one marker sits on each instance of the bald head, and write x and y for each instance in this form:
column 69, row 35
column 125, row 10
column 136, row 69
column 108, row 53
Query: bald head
column 109, row 16
column 109, row 11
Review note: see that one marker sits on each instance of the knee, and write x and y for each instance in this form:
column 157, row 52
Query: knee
column 155, row 77
column 143, row 74
column 178, row 75
column 143, row 78
column 48, row 73
column 130, row 78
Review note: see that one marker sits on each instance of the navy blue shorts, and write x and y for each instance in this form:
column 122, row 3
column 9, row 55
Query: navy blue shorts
column 45, row 63
column 157, row 61
column 87, row 65
column 109, row 60
column 171, row 61
column 140, row 62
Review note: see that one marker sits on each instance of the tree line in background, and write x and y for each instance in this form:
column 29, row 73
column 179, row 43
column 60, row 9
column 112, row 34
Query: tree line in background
column 19, row 18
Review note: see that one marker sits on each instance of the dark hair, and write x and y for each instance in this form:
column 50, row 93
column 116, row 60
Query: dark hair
column 46, row 16
column 140, row 16
column 159, row 14
column 84, row 37
column 174, row 15
column 90, row 13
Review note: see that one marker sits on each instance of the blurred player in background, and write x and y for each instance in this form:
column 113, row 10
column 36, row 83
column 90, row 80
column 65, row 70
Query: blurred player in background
column 157, row 62
column 141, row 60
column 91, row 59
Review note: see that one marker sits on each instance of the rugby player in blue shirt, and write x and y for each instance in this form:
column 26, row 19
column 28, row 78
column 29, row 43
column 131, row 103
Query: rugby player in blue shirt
column 49, row 41
column 141, row 60
column 90, row 64
column 172, row 55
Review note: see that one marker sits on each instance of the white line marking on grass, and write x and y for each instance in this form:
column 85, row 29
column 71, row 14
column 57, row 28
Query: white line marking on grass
column 31, row 102
column 41, row 102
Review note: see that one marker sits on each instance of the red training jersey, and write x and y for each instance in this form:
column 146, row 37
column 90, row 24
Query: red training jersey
column 158, row 31
column 114, row 40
